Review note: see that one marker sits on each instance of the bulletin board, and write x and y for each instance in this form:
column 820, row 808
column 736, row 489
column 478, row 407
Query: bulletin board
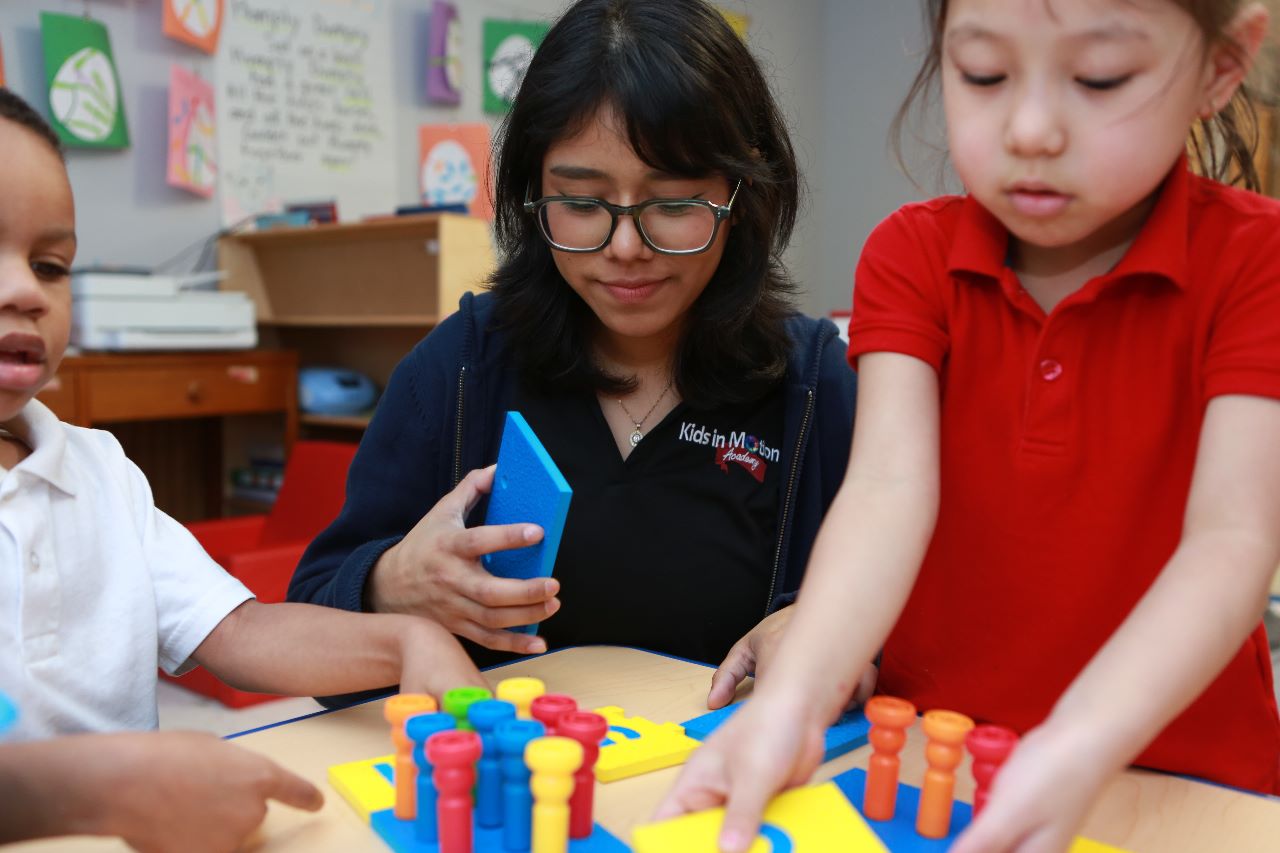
column 304, row 106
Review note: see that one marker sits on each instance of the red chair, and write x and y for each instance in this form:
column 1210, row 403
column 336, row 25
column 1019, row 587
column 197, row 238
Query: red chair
column 263, row 550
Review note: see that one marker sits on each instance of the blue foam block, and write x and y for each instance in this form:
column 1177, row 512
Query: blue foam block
column 400, row 835
column 899, row 833
column 527, row 488
column 846, row 734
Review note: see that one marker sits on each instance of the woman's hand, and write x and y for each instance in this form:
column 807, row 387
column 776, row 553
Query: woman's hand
column 750, row 656
column 745, row 762
column 1040, row 796
column 435, row 571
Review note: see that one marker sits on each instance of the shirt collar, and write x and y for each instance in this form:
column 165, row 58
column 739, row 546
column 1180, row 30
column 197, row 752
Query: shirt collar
column 981, row 243
column 41, row 430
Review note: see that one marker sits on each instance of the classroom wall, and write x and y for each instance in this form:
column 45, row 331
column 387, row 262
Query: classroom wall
column 837, row 66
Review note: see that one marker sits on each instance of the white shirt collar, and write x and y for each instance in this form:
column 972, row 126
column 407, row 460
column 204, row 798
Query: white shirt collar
column 41, row 430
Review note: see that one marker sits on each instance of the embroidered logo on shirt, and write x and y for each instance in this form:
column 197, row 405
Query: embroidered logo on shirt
column 754, row 465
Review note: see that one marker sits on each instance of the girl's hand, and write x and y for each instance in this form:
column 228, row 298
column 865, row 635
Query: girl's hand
column 750, row 656
column 435, row 571
column 745, row 762
column 1039, row 798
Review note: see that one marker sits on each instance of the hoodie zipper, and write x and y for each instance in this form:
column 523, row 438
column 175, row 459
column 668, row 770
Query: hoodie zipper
column 457, row 440
column 786, row 500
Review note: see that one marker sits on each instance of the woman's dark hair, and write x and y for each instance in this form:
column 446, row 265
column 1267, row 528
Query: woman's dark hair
column 16, row 110
column 1225, row 142
column 694, row 103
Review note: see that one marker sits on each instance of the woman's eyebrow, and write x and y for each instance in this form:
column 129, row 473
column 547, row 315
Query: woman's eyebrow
column 577, row 173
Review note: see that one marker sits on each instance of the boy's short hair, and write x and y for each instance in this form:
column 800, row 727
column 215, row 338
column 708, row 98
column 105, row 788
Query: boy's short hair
column 15, row 109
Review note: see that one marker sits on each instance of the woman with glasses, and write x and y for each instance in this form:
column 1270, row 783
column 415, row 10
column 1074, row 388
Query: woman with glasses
column 641, row 322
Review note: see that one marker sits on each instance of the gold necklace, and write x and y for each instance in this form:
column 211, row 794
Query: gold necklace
column 636, row 434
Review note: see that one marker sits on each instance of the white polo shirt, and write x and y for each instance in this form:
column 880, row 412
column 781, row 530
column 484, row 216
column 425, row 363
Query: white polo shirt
column 97, row 586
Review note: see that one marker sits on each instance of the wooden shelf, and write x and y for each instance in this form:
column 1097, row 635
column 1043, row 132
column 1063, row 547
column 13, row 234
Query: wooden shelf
column 353, row 320
column 341, row 421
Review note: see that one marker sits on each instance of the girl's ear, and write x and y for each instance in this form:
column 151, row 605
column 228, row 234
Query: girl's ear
column 1232, row 56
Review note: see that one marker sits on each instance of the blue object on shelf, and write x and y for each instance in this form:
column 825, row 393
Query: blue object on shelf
column 334, row 391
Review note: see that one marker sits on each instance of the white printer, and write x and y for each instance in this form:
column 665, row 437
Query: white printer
column 132, row 311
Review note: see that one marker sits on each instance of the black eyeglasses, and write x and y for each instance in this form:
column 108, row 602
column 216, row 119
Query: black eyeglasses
column 670, row 226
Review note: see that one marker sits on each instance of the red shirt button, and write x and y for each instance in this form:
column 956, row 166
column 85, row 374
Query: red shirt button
column 1050, row 369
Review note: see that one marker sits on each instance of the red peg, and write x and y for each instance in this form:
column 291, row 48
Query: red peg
column 889, row 718
column 588, row 729
column 453, row 754
column 549, row 708
column 990, row 746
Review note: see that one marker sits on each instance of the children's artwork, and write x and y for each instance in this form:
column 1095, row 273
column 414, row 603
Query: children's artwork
column 444, row 58
column 1, row 66
column 738, row 21
column 85, row 101
column 453, row 166
column 192, row 142
column 508, row 48
column 195, row 22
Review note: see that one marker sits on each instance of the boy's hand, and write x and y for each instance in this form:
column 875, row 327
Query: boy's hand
column 750, row 656
column 1039, row 798
column 435, row 571
column 163, row 791
column 432, row 662
column 744, row 763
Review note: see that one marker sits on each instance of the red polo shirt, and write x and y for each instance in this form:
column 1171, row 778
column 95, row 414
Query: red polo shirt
column 1068, row 443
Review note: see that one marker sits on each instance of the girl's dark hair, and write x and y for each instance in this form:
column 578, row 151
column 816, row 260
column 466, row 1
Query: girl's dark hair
column 14, row 109
column 693, row 102
column 1223, row 145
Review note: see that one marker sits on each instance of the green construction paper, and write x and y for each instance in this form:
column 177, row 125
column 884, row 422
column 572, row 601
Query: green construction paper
column 86, row 102
column 508, row 46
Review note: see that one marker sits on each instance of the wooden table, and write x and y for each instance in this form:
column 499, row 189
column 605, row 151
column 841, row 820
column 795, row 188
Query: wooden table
column 1140, row 811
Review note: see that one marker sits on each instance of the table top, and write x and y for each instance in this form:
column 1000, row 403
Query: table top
column 1139, row 811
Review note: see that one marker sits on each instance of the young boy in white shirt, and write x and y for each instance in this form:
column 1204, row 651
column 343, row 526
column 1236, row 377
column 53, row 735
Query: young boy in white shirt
column 98, row 587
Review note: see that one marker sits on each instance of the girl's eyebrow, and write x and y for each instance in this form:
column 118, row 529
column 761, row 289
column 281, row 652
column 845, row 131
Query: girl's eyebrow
column 58, row 235
column 577, row 173
column 1114, row 31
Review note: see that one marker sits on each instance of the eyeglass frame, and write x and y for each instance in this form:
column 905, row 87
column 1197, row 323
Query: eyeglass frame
column 721, row 212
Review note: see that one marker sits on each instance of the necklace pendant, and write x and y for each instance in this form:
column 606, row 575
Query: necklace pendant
column 635, row 437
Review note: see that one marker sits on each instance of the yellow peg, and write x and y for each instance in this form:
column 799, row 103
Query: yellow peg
column 521, row 692
column 552, row 761
column 396, row 710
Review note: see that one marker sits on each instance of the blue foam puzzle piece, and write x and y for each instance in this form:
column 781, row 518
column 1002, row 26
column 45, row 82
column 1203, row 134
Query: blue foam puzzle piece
column 845, row 735
column 899, row 833
column 400, row 834
column 527, row 488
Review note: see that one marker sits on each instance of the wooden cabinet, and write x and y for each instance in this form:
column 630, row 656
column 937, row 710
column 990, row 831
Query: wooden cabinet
column 167, row 409
column 356, row 295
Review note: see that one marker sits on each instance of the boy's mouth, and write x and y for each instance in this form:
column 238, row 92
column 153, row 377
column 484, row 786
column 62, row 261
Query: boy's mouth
column 22, row 360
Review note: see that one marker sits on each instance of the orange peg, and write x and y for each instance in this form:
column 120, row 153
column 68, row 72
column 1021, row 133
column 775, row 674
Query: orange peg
column 946, row 731
column 889, row 718
column 396, row 710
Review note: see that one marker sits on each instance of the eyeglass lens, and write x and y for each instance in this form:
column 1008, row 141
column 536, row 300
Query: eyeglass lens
column 675, row 227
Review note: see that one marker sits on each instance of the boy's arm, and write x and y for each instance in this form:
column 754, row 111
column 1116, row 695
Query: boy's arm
column 306, row 649
column 156, row 790
column 860, row 573
column 1195, row 617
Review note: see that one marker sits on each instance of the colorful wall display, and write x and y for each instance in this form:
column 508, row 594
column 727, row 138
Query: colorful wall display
column 508, row 48
column 444, row 56
column 453, row 166
column 194, row 22
column 193, row 159
column 85, row 100
column 1, row 65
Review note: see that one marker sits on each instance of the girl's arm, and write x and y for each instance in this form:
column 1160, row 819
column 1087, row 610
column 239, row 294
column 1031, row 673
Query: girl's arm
column 307, row 649
column 1195, row 617
column 863, row 566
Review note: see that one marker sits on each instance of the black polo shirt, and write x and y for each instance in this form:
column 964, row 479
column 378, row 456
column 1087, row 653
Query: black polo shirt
column 671, row 549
